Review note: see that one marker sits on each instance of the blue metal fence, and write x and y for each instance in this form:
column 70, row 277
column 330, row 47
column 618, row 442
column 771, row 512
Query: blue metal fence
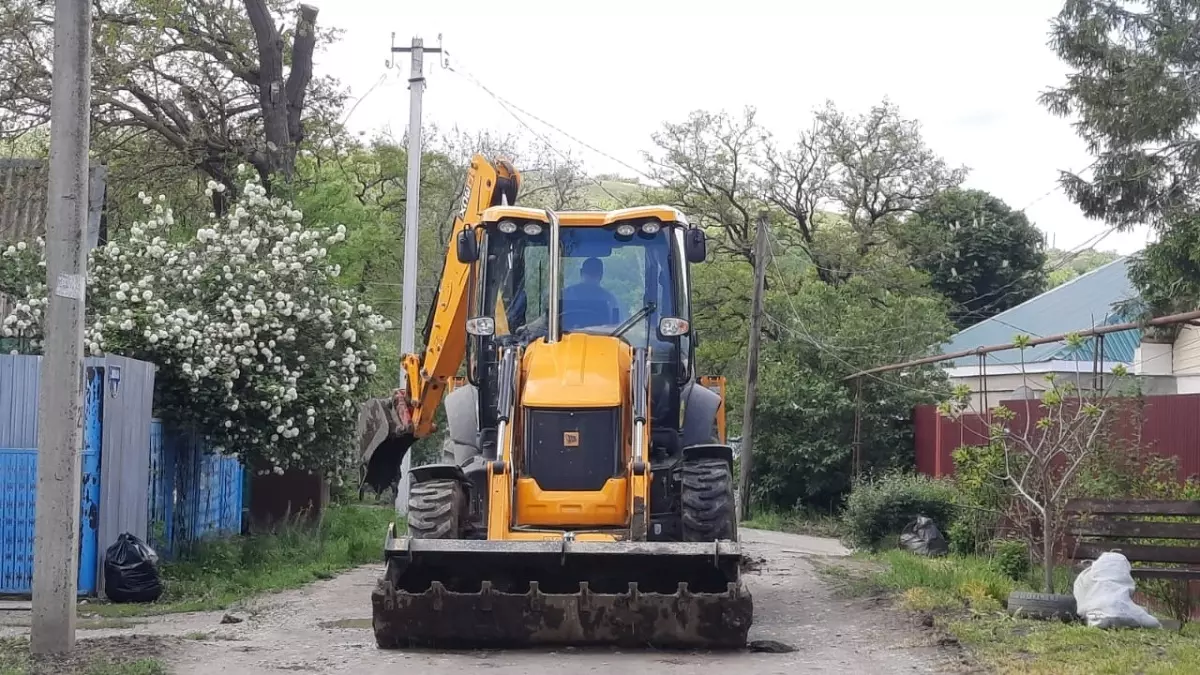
column 194, row 493
column 186, row 493
column 18, row 494
column 18, row 482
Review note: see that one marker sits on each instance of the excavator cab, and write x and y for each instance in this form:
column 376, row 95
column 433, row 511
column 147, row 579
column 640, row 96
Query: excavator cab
column 585, row 491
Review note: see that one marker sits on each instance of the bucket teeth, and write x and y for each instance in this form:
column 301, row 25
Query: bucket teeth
column 440, row 617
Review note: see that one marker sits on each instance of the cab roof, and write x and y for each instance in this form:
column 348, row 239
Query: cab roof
column 666, row 214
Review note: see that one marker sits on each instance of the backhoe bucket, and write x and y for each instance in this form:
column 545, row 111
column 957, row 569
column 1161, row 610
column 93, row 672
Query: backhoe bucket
column 384, row 437
column 492, row 594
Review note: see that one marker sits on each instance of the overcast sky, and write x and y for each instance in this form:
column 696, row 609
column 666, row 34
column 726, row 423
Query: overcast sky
column 969, row 70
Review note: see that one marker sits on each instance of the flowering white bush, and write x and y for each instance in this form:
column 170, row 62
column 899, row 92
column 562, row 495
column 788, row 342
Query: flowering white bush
column 256, row 345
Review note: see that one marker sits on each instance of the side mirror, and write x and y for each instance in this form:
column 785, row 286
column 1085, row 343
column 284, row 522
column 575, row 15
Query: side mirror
column 694, row 244
column 468, row 246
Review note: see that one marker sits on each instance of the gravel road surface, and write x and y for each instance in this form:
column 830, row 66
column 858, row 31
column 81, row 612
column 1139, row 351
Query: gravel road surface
column 325, row 628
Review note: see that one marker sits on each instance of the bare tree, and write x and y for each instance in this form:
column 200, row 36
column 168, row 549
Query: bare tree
column 198, row 84
column 855, row 173
column 1043, row 448
column 883, row 170
column 708, row 166
column 281, row 103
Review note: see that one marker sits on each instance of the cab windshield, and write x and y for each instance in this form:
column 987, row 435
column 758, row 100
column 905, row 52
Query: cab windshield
column 610, row 283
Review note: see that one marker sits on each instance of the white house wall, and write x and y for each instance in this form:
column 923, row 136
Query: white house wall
column 1007, row 382
column 1185, row 355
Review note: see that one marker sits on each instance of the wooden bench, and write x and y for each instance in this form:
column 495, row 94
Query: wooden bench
column 1100, row 525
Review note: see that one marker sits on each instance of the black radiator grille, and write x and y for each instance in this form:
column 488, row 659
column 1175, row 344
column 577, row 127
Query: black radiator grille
column 572, row 450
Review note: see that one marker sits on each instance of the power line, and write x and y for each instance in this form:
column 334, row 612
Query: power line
column 511, row 107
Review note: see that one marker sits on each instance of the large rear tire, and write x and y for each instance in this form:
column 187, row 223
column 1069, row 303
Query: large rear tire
column 709, row 507
column 435, row 509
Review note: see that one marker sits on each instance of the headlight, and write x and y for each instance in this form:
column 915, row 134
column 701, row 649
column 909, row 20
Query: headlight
column 507, row 226
column 651, row 227
column 626, row 230
column 671, row 326
column 482, row 326
column 532, row 229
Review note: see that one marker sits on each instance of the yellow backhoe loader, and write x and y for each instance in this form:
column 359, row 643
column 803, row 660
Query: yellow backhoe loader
column 585, row 490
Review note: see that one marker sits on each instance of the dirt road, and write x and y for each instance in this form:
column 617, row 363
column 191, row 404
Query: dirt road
column 325, row 628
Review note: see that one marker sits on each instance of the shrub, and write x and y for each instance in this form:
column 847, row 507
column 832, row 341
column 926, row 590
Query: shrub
column 1011, row 557
column 882, row 507
column 255, row 343
column 984, row 497
column 967, row 535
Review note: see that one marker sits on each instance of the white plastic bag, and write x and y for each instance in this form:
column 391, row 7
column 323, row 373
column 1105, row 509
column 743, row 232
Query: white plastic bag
column 1104, row 595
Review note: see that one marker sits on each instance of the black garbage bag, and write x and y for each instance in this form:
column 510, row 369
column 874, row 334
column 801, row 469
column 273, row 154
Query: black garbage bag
column 131, row 571
column 923, row 537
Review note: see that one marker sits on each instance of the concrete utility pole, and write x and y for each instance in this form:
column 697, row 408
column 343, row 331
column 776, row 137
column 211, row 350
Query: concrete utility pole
column 60, row 398
column 412, row 216
column 756, row 314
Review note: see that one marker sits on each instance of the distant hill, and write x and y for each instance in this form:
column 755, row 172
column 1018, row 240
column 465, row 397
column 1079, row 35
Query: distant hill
column 1064, row 266
column 602, row 191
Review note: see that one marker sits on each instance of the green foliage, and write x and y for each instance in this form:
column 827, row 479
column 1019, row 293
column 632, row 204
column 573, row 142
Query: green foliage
column 815, row 336
column 800, row 521
column 1012, row 558
column 256, row 345
column 945, row 583
column 978, row 472
column 999, row 643
column 1131, row 96
column 880, row 508
column 980, row 254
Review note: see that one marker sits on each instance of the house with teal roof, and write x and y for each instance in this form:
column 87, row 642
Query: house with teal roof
column 1090, row 300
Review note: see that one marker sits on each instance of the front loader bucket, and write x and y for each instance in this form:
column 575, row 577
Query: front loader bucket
column 384, row 437
column 496, row 594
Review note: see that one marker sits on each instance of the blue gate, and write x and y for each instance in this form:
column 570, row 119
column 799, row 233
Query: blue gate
column 18, row 475
column 194, row 493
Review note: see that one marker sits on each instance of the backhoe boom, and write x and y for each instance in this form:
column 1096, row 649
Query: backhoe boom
column 387, row 428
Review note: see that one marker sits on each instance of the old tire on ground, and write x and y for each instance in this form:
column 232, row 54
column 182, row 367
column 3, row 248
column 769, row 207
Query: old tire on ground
column 435, row 509
column 709, row 507
column 1043, row 606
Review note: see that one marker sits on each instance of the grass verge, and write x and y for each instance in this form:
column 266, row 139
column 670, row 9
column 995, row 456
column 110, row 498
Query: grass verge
column 90, row 657
column 796, row 522
column 218, row 573
column 966, row 595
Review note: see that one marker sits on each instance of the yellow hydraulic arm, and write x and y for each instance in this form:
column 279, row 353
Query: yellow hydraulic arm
column 387, row 428
column 427, row 375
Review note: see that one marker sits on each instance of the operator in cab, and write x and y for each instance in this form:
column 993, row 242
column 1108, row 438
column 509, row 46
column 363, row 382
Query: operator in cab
column 588, row 303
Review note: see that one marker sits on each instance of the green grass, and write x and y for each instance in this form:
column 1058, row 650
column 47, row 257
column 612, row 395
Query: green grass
column 796, row 522
column 89, row 658
column 967, row 596
column 216, row 574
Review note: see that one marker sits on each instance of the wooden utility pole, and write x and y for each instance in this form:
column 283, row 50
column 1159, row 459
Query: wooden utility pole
column 756, row 314
column 60, row 397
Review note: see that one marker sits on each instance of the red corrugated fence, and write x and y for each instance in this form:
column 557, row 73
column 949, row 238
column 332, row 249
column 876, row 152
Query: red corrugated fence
column 1168, row 426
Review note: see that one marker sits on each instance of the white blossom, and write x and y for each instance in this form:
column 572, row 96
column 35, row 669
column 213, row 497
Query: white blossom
column 232, row 318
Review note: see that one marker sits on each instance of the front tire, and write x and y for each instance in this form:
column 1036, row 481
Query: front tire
column 709, row 507
column 435, row 509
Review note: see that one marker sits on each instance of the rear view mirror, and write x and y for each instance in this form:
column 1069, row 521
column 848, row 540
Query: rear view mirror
column 468, row 246
column 695, row 247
